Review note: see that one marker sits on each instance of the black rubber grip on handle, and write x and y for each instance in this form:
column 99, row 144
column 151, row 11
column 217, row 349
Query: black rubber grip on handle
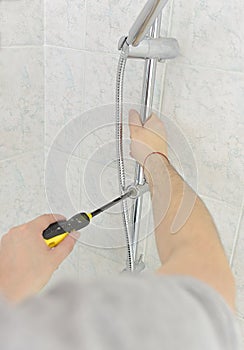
column 75, row 223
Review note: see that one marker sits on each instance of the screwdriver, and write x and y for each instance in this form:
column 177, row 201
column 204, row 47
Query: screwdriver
column 56, row 232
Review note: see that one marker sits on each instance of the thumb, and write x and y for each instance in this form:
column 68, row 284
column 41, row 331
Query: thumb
column 155, row 124
column 64, row 248
column 134, row 120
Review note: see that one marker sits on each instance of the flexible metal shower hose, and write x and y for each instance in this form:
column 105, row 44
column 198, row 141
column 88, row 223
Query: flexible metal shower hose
column 120, row 155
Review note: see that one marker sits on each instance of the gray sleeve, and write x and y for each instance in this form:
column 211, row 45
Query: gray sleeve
column 127, row 312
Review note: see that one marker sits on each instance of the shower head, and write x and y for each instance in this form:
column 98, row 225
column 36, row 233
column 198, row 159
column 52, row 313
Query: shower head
column 144, row 21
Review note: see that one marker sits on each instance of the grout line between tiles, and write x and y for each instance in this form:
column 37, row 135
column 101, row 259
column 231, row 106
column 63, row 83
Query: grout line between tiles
column 145, row 243
column 163, row 81
column 115, row 53
column 21, row 154
column 109, row 53
column 201, row 195
column 85, row 24
column 44, row 22
column 207, row 67
column 97, row 252
column 230, row 205
column 93, row 251
column 44, row 78
column 236, row 238
column 23, row 46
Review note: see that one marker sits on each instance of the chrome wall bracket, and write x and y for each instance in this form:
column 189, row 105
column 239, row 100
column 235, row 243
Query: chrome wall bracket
column 152, row 48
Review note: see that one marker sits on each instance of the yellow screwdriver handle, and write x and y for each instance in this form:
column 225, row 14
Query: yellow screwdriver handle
column 57, row 231
column 54, row 241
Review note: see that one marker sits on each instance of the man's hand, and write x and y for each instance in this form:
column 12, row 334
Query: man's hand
column 147, row 138
column 26, row 262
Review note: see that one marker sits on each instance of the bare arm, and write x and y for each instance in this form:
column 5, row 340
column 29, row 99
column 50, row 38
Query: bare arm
column 187, row 240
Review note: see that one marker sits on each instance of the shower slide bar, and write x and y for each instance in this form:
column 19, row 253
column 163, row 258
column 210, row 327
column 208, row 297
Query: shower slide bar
column 143, row 42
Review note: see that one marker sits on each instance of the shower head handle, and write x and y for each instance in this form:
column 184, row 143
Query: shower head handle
column 144, row 21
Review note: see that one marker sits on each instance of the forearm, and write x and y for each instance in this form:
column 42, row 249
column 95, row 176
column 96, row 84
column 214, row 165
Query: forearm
column 186, row 237
column 179, row 214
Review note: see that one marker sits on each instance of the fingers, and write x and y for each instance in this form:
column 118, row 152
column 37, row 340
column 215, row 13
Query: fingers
column 156, row 125
column 134, row 118
column 43, row 221
column 153, row 122
column 61, row 251
column 134, row 121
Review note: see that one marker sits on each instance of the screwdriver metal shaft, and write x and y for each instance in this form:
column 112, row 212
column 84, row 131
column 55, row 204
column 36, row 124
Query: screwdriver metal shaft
column 56, row 232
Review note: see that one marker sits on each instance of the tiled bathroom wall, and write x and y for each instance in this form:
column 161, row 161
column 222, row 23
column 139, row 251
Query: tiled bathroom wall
column 58, row 64
column 203, row 94
column 21, row 111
